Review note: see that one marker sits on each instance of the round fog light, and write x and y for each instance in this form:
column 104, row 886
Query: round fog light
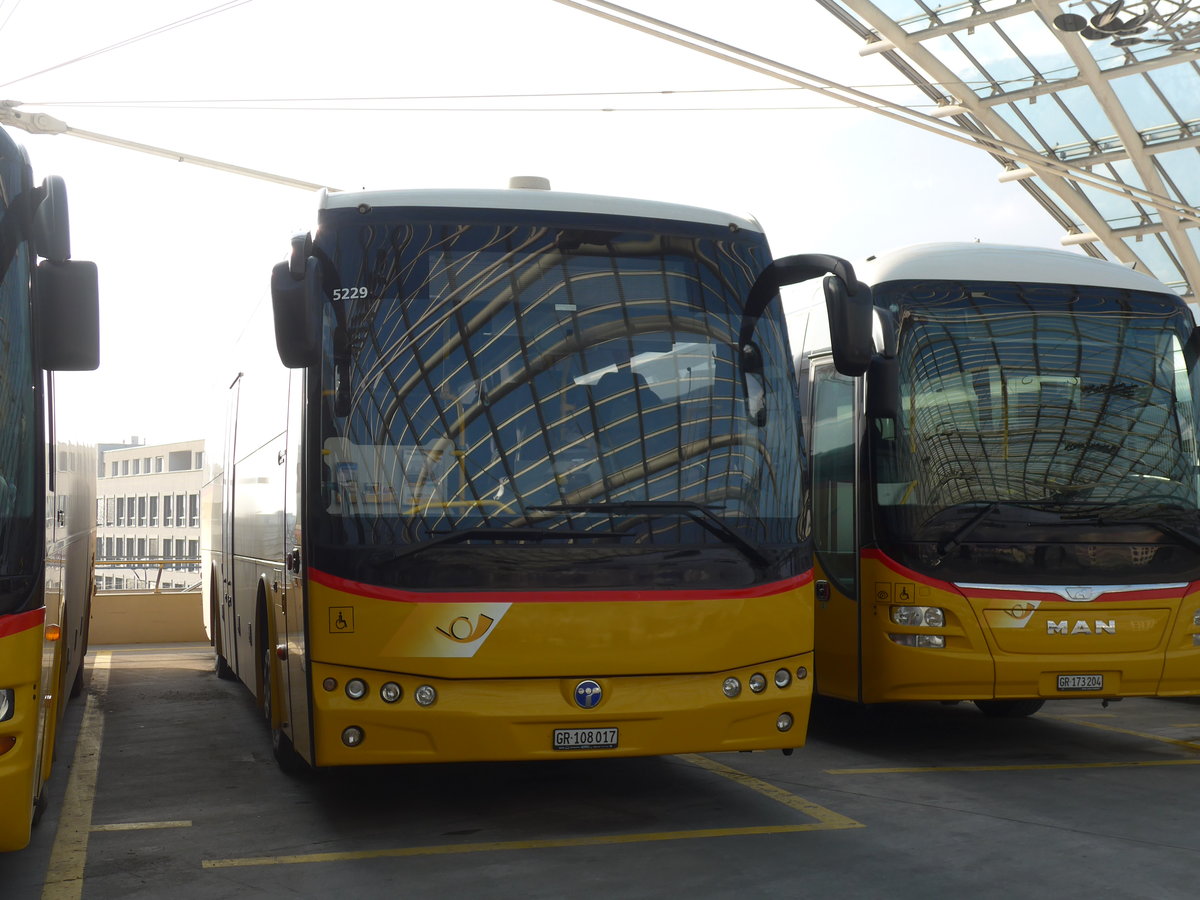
column 425, row 695
column 330, row 684
column 784, row 722
column 783, row 678
column 758, row 682
column 352, row 736
column 356, row 689
column 390, row 692
column 802, row 672
column 732, row 687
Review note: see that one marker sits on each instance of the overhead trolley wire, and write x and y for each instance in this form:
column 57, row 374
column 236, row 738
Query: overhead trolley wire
column 154, row 32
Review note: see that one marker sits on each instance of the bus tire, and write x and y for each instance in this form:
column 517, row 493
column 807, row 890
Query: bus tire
column 221, row 666
column 289, row 761
column 1008, row 709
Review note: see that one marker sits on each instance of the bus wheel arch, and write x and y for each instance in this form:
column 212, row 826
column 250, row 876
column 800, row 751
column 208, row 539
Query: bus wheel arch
column 220, row 664
column 289, row 761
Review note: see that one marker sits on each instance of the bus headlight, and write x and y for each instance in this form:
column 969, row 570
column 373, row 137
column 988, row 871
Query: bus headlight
column 935, row 641
column 352, row 736
column 919, row 616
column 390, row 692
column 783, row 678
column 731, row 687
column 784, row 722
column 6, row 704
column 1196, row 618
column 356, row 689
column 758, row 682
column 425, row 695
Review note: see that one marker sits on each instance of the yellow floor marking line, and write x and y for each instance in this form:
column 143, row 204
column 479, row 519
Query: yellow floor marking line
column 826, row 820
column 64, row 874
column 141, row 826
column 1028, row 767
column 1187, row 745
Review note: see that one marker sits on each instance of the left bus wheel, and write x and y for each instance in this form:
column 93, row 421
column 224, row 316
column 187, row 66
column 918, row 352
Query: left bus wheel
column 1008, row 709
column 289, row 761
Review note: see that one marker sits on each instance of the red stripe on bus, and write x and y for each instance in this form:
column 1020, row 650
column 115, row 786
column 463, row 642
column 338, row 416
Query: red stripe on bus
column 376, row 592
column 1115, row 595
column 15, row 624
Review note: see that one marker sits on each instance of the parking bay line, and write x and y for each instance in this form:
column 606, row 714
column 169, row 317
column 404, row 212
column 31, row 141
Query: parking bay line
column 64, row 874
column 1023, row 767
column 826, row 820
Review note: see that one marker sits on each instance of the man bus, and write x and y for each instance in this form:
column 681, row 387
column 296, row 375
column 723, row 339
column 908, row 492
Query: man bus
column 48, row 323
column 524, row 487
column 1006, row 496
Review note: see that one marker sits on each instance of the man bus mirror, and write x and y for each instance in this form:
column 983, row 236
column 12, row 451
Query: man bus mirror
column 67, row 316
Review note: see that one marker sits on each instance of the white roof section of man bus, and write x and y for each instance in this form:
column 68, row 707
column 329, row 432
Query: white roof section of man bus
column 534, row 201
column 1001, row 262
column 537, row 200
column 1107, row 88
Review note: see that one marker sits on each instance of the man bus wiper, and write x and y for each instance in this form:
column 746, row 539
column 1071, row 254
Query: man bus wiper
column 490, row 533
column 700, row 514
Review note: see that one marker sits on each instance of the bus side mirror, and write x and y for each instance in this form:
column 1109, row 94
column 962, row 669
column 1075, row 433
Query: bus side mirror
column 67, row 316
column 851, row 321
column 296, row 306
column 51, row 231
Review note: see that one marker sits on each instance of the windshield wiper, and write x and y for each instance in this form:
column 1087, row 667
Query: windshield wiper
column 949, row 545
column 701, row 515
column 489, row 533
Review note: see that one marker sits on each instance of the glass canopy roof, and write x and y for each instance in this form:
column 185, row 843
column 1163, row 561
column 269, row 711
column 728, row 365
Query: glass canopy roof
column 1093, row 107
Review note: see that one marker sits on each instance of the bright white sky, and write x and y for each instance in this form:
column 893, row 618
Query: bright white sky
column 185, row 253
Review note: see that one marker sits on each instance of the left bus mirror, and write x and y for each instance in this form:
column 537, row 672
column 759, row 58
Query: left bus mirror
column 67, row 316
column 51, row 228
column 296, row 305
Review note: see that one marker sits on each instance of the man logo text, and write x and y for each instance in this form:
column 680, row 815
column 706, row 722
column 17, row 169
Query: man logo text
column 1081, row 627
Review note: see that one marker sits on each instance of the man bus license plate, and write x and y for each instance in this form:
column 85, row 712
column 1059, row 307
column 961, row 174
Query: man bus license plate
column 1081, row 682
column 585, row 738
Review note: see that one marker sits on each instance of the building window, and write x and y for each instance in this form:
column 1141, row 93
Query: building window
column 153, row 548
column 110, row 511
column 142, row 511
column 114, row 469
column 108, row 548
column 180, row 511
column 158, row 464
column 193, row 510
column 199, row 459
column 154, row 511
column 179, row 460
column 141, row 548
column 137, row 467
column 124, row 467
column 167, row 510
column 146, row 465
column 120, row 511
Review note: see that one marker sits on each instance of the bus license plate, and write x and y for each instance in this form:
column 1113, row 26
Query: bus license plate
column 1081, row 682
column 585, row 738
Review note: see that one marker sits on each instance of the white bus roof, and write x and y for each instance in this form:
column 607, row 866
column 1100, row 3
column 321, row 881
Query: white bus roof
column 537, row 200
column 1002, row 262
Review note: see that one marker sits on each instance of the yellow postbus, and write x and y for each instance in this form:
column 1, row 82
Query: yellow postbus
column 1005, row 495
column 523, row 487
column 48, row 322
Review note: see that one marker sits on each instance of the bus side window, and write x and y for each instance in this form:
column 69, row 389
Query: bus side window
column 833, row 477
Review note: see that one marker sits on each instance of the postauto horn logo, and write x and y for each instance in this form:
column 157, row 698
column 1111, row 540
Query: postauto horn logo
column 588, row 694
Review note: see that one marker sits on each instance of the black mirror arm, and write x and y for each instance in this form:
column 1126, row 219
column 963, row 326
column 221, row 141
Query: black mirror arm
column 784, row 271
